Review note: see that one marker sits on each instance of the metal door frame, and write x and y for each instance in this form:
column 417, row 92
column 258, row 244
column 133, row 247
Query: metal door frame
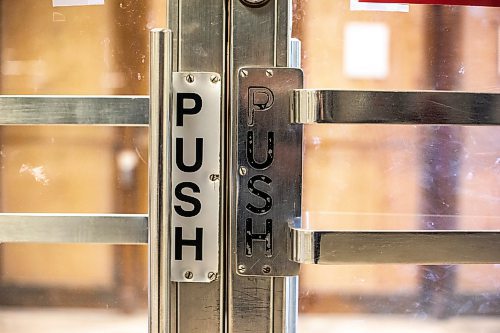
column 271, row 300
column 203, row 31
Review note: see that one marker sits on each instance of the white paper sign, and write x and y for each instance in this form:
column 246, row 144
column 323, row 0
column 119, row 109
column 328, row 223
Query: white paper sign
column 384, row 7
column 67, row 3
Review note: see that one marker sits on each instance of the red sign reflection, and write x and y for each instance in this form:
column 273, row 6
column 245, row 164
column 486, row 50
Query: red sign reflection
column 491, row 3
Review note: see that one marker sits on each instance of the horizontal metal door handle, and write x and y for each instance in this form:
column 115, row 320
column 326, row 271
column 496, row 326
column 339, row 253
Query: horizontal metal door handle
column 74, row 228
column 386, row 107
column 327, row 247
column 74, row 110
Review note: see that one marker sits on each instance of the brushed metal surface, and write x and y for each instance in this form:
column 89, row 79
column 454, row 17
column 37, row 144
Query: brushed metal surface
column 395, row 247
column 160, row 135
column 398, row 107
column 257, row 37
column 74, row 110
column 74, row 228
column 269, row 171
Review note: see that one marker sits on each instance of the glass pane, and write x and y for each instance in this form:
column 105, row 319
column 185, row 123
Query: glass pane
column 79, row 49
column 77, row 288
column 387, row 177
column 51, row 320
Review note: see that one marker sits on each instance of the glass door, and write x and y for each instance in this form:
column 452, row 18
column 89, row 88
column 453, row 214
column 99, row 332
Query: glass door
column 399, row 177
column 248, row 166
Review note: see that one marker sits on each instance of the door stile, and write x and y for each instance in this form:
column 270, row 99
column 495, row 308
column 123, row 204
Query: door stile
column 258, row 36
column 199, row 42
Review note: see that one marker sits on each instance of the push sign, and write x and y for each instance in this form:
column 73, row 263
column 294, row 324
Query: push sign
column 195, row 177
column 268, row 172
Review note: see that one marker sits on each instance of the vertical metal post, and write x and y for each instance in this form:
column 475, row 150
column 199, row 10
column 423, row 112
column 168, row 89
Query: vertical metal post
column 159, row 181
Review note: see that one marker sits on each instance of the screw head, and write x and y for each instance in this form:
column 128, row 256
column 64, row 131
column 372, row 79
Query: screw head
column 254, row 3
column 243, row 170
column 269, row 72
column 214, row 78
column 190, row 78
column 242, row 268
column 214, row 177
column 244, row 73
column 266, row 269
column 212, row 276
column 188, row 275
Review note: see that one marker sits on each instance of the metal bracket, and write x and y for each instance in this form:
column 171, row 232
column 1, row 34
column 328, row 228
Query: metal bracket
column 268, row 172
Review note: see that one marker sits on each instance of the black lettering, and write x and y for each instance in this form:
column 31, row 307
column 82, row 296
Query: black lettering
column 197, row 243
column 259, row 99
column 181, row 110
column 266, row 237
column 263, row 195
column 186, row 198
column 179, row 155
column 250, row 151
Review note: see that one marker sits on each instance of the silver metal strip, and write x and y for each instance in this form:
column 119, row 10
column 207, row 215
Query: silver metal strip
column 73, row 228
column 160, row 181
column 199, row 35
column 379, row 107
column 395, row 247
column 290, row 297
column 74, row 110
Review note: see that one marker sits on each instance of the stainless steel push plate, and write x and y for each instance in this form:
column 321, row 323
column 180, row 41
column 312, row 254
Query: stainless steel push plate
column 195, row 176
column 268, row 172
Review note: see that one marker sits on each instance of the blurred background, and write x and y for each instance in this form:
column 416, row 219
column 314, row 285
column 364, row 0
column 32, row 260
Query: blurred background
column 355, row 177
column 77, row 50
